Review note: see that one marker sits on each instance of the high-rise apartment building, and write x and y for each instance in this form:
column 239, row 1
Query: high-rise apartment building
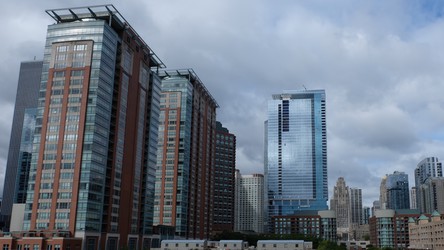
column 22, row 131
column 92, row 173
column 413, row 201
column 355, row 206
column 340, row 203
column 296, row 152
column 432, row 195
column 185, row 158
column 249, row 203
column 383, row 193
column 224, row 180
column 428, row 167
column 398, row 194
column 365, row 215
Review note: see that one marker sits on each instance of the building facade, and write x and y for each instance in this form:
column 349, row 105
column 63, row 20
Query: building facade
column 413, row 204
column 91, row 180
column 428, row 167
column 249, row 203
column 186, row 153
column 398, row 195
column 23, row 122
column 296, row 152
column 356, row 206
column 318, row 224
column 340, row 203
column 390, row 228
column 383, row 193
column 426, row 232
column 224, row 180
column 432, row 195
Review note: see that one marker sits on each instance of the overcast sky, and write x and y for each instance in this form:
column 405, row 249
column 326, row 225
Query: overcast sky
column 380, row 62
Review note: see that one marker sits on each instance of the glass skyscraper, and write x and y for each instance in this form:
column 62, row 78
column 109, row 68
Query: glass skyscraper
column 296, row 152
column 92, row 170
column 398, row 195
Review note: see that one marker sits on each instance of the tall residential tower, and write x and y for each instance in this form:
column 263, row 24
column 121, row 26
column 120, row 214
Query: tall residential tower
column 92, row 173
column 296, row 152
column 185, row 158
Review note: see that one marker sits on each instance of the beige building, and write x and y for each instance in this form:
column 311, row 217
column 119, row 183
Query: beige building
column 427, row 233
column 284, row 245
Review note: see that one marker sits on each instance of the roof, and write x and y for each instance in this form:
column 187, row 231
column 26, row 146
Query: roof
column 103, row 12
column 192, row 77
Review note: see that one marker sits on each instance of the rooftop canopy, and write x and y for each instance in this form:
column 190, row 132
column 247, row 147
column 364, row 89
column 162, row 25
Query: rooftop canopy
column 103, row 12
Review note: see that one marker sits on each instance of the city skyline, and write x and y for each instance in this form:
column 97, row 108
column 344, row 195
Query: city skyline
column 377, row 62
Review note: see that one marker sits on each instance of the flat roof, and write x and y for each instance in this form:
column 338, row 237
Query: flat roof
column 192, row 77
column 103, row 12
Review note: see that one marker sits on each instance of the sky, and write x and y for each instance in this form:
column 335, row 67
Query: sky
column 380, row 62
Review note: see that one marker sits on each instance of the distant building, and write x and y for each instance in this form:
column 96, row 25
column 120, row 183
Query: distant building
column 389, row 228
column 22, row 132
column 427, row 232
column 284, row 245
column 356, row 206
column 413, row 200
column 185, row 155
column 296, row 152
column 249, row 203
column 365, row 215
column 340, row 203
column 397, row 187
column 319, row 224
column 376, row 206
column 428, row 167
column 383, row 193
column 432, row 195
column 224, row 180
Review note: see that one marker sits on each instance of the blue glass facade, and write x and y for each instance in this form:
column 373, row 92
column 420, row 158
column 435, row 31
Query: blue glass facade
column 296, row 153
column 398, row 195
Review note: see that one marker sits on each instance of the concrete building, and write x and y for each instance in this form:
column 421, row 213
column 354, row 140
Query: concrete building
column 296, row 152
column 20, row 143
column 319, row 224
column 356, row 206
column 340, row 203
column 249, row 203
column 432, row 195
column 92, row 173
column 413, row 200
column 389, row 228
column 284, row 245
column 186, row 155
column 224, row 180
column 383, row 193
column 427, row 232
column 428, row 167
column 184, row 244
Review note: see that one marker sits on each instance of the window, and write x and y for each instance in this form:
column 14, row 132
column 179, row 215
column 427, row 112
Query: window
column 62, row 48
column 5, row 246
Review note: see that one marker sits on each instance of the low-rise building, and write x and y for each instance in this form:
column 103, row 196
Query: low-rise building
column 183, row 244
column 284, row 244
column 427, row 232
column 319, row 224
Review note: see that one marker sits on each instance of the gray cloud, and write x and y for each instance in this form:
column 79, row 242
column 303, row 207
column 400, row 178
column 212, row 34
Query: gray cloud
column 379, row 62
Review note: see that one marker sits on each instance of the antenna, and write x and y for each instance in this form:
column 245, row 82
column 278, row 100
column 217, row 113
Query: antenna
column 304, row 86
